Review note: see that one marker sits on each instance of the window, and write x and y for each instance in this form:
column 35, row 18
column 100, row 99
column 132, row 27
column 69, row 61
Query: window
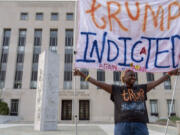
column 68, row 76
column 2, row 75
column 167, row 83
column 66, row 113
column 20, row 58
column 18, row 76
column 4, row 57
column 37, row 37
column 54, row 16
column 136, row 76
column 36, row 52
column 6, row 37
column 14, row 107
column 18, row 79
column 37, row 49
column 68, row 58
column 1, row 84
column 22, row 37
column 2, row 78
column 17, row 85
column 39, row 16
column 84, row 110
column 35, row 67
column 68, row 79
column 69, row 16
column 24, row 16
column 37, row 44
column 35, row 58
column 33, row 84
column 83, row 83
column 154, row 107
column 117, row 77
column 34, row 76
column 19, row 67
column 100, row 76
column 150, row 77
column 53, row 40
column 69, row 38
column 169, row 107
column 53, row 37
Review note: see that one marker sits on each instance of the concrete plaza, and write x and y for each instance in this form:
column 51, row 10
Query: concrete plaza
column 83, row 129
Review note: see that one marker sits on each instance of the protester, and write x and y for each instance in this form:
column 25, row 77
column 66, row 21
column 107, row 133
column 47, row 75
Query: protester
column 129, row 101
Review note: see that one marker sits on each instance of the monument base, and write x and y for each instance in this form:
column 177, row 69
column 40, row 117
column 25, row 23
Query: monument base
column 49, row 126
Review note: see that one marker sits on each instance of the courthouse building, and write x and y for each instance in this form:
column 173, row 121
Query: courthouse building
column 28, row 28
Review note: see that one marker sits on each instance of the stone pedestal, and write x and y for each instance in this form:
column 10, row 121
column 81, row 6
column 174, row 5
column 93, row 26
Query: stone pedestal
column 178, row 126
column 47, row 99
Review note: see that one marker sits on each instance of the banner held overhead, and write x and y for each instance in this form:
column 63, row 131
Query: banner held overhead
column 117, row 34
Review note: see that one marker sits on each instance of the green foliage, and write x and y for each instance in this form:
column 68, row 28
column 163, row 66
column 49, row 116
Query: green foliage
column 174, row 119
column 162, row 120
column 4, row 109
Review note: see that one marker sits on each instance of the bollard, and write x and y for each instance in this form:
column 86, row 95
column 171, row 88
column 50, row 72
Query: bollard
column 178, row 127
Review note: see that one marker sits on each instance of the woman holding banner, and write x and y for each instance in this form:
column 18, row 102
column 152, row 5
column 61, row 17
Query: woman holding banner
column 129, row 101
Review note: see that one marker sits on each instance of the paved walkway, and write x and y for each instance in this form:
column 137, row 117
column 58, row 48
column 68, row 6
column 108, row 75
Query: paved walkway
column 69, row 129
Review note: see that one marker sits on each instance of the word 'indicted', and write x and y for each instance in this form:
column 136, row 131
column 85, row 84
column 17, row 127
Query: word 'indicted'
column 125, row 49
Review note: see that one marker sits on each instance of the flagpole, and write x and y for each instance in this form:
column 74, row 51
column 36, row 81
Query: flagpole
column 172, row 100
column 74, row 78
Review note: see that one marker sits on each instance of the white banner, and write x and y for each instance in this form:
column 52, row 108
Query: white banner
column 118, row 34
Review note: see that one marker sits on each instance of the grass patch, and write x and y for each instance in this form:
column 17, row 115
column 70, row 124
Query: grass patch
column 172, row 121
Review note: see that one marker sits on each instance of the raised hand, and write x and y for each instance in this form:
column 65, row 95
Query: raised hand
column 77, row 72
column 174, row 72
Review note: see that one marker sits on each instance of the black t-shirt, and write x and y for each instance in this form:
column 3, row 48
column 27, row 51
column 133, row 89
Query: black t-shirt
column 129, row 103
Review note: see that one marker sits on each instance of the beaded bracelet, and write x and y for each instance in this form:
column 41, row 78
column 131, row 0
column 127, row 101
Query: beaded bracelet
column 87, row 77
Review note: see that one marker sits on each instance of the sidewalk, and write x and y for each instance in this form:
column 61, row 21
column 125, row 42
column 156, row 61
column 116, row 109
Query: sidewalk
column 69, row 129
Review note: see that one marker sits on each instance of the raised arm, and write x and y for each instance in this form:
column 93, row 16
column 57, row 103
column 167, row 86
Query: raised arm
column 104, row 86
column 153, row 84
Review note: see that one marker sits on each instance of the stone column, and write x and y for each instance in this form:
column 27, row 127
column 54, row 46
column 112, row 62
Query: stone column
column 46, row 110
column 178, row 126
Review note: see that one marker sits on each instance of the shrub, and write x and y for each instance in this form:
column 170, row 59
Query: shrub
column 174, row 119
column 4, row 109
